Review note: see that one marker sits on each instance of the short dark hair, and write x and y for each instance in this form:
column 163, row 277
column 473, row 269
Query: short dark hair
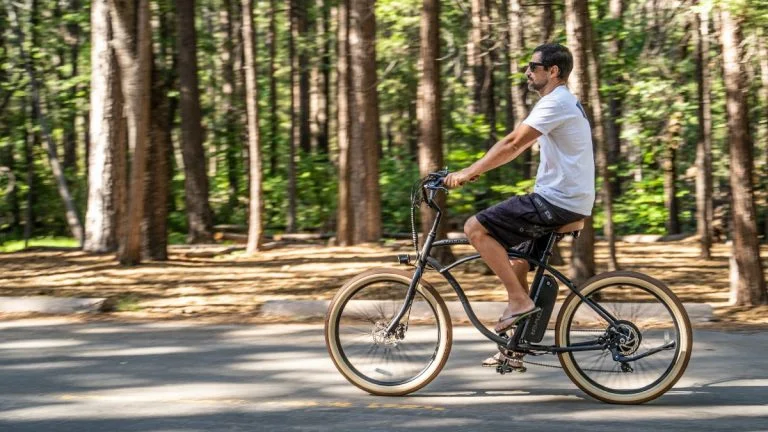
column 553, row 54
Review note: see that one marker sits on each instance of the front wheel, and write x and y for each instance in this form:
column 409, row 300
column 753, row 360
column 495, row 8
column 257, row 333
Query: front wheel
column 650, row 320
column 381, row 364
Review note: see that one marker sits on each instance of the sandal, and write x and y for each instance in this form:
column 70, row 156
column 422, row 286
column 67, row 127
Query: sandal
column 514, row 319
column 515, row 360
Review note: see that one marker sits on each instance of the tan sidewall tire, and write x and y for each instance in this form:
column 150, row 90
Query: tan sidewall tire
column 680, row 317
column 444, row 328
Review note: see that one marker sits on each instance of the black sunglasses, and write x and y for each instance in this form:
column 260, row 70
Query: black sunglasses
column 532, row 65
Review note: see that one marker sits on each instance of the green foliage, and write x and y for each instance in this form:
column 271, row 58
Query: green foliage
column 57, row 242
column 316, row 187
column 653, row 74
column 398, row 173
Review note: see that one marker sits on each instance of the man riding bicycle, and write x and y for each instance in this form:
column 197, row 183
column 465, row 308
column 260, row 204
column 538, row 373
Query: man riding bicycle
column 564, row 190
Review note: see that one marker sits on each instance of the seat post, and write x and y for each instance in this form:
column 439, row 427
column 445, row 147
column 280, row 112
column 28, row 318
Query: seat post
column 544, row 258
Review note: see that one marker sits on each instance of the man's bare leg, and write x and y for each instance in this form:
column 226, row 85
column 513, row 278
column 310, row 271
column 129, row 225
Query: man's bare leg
column 495, row 256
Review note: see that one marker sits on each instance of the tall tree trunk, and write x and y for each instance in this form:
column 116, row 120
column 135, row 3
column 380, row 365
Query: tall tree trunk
column 155, row 226
column 272, row 44
column 517, row 84
column 615, row 101
column 507, row 82
column 325, row 89
column 132, row 31
column 300, row 70
column 763, row 53
column 295, row 134
column 365, row 127
column 227, row 57
column 747, row 279
column 314, row 75
column 487, row 99
column 199, row 214
column 305, row 137
column 32, row 140
column 319, row 81
column 669, row 165
column 413, row 130
column 31, row 198
column 70, row 129
column 173, row 106
column 428, row 108
column 357, row 146
column 344, row 219
column 704, row 206
column 7, row 153
column 475, row 74
column 256, row 207
column 576, row 24
column 170, row 60
column 547, row 22
column 73, row 220
column 7, row 168
column 212, row 94
column 107, row 150
column 598, row 135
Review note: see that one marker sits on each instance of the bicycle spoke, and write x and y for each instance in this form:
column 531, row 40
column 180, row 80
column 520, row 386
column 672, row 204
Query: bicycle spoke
column 633, row 307
column 374, row 354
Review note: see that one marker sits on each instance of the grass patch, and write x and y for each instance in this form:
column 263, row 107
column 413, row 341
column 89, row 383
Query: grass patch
column 177, row 238
column 18, row 245
column 127, row 303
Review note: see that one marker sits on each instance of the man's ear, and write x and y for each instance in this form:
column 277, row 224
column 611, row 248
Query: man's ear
column 557, row 68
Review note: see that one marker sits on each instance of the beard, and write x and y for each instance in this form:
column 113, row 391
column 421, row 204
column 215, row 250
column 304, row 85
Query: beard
column 532, row 86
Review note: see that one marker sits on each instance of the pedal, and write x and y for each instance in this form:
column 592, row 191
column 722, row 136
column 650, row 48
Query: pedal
column 505, row 367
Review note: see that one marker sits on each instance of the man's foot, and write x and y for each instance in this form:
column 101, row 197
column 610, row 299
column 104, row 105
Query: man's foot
column 515, row 360
column 507, row 322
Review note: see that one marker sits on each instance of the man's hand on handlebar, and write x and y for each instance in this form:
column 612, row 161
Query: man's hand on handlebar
column 459, row 178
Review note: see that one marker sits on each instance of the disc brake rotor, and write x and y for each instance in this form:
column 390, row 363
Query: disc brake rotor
column 628, row 338
column 380, row 336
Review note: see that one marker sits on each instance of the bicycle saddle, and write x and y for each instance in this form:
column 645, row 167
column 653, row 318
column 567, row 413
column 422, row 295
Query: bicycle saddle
column 571, row 227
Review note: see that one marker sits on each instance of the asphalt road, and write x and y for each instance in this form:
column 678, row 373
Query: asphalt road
column 164, row 377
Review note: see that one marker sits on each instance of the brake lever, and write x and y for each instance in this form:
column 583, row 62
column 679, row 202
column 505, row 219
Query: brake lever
column 439, row 185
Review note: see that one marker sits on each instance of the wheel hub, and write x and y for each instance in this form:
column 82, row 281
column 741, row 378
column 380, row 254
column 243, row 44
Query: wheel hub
column 380, row 336
column 627, row 338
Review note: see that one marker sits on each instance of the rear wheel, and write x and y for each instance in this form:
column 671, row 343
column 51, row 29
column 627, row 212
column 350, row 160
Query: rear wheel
column 383, row 364
column 650, row 319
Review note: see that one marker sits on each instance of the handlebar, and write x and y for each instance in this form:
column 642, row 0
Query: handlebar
column 435, row 180
column 433, row 183
column 424, row 191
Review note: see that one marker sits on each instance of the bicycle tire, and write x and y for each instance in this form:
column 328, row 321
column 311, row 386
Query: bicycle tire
column 677, row 316
column 340, row 306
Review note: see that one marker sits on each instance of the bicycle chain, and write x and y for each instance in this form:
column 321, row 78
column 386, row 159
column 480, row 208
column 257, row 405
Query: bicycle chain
column 547, row 365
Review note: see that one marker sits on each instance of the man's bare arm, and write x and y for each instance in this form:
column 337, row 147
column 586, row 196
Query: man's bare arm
column 507, row 149
column 510, row 147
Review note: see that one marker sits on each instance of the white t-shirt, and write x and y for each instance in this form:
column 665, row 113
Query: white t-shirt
column 566, row 175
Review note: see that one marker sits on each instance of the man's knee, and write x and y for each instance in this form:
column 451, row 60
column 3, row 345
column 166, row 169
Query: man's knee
column 473, row 228
column 519, row 265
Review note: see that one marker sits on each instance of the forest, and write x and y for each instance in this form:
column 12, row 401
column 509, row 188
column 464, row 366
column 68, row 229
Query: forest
column 127, row 126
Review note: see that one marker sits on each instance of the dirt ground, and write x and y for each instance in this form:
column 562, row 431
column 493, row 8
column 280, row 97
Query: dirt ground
column 222, row 284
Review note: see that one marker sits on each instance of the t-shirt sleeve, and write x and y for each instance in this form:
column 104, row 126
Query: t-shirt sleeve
column 546, row 115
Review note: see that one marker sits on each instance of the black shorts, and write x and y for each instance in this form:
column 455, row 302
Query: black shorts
column 523, row 222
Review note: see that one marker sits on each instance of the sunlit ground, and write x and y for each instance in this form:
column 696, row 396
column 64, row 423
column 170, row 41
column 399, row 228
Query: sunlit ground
column 201, row 282
column 161, row 376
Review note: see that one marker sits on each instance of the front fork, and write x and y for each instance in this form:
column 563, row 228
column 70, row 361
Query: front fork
column 421, row 264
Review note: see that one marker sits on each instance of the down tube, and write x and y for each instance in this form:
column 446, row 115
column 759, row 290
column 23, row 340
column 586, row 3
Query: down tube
column 465, row 302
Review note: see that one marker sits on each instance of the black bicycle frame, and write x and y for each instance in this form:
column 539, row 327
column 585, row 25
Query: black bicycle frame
column 542, row 264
